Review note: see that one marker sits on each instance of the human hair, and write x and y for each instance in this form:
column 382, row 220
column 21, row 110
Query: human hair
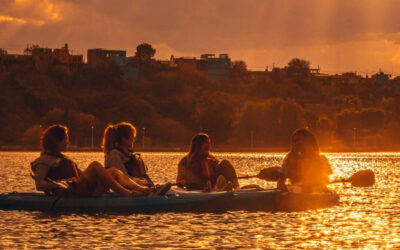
column 52, row 136
column 195, row 145
column 309, row 139
column 113, row 135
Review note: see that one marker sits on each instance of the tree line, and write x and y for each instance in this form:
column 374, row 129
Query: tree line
column 249, row 109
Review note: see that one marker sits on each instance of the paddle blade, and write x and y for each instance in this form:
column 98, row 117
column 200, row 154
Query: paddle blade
column 269, row 174
column 363, row 178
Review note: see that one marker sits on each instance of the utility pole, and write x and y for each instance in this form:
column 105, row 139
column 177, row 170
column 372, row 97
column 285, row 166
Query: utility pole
column 251, row 139
column 92, row 137
column 144, row 134
column 41, row 131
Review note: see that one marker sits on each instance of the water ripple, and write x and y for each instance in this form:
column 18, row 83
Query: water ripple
column 366, row 217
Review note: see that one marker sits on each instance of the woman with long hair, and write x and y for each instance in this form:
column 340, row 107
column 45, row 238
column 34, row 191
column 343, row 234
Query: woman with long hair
column 200, row 170
column 56, row 174
column 118, row 146
column 304, row 164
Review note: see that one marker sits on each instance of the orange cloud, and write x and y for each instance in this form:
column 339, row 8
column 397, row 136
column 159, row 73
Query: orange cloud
column 361, row 35
column 51, row 10
column 4, row 18
column 36, row 10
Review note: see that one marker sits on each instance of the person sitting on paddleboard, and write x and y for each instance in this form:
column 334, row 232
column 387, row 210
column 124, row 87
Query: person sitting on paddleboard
column 56, row 174
column 200, row 170
column 118, row 142
column 304, row 165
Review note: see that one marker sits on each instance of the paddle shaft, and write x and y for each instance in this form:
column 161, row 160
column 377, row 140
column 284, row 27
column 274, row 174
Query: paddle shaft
column 248, row 176
column 362, row 178
column 339, row 181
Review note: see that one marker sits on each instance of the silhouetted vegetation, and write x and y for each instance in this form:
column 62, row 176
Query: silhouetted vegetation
column 259, row 109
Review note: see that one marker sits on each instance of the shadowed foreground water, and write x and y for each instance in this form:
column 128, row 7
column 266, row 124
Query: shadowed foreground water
column 366, row 217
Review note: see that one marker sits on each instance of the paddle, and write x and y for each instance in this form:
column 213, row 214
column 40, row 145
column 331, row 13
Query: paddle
column 362, row 178
column 267, row 174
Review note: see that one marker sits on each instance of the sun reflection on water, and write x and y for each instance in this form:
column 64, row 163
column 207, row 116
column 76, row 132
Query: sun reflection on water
column 366, row 217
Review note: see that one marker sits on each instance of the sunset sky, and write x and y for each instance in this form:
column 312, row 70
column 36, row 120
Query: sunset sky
column 337, row 35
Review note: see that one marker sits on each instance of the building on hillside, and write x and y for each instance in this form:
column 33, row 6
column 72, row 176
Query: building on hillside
column 315, row 71
column 62, row 57
column 8, row 60
column 259, row 74
column 167, row 65
column 185, row 63
column 345, row 78
column 102, row 57
column 217, row 68
column 44, row 58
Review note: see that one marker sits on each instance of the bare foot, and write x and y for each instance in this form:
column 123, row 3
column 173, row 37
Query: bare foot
column 136, row 193
column 220, row 184
column 161, row 190
column 228, row 186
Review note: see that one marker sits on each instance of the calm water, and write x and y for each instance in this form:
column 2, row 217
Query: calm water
column 366, row 217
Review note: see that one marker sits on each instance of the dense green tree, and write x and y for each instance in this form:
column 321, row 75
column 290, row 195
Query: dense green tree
column 299, row 68
column 265, row 106
column 270, row 122
column 215, row 114
column 367, row 121
column 238, row 69
column 32, row 136
column 168, row 132
column 144, row 52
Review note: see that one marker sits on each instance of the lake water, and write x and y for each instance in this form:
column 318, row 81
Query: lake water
column 365, row 218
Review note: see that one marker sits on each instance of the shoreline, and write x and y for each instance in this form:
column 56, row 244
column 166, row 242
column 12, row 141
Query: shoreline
column 214, row 149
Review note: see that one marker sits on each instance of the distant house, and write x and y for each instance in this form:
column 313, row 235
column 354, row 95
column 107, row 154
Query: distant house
column 315, row 71
column 7, row 60
column 63, row 56
column 167, row 65
column 185, row 63
column 217, row 68
column 254, row 74
column 102, row 57
column 44, row 58
column 345, row 78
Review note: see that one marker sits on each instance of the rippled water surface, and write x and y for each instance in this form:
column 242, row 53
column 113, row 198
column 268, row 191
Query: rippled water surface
column 366, row 217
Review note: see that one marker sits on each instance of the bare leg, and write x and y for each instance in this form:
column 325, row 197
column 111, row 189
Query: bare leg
column 96, row 172
column 220, row 183
column 226, row 169
column 127, row 182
